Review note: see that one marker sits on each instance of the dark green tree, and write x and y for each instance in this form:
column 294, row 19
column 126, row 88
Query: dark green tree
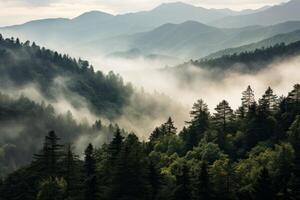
column 268, row 102
column 183, row 187
column 203, row 188
column 90, row 182
column 198, row 125
column 46, row 163
column 263, row 186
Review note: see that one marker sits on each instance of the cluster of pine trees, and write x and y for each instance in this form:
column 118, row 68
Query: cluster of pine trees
column 251, row 61
column 250, row 153
column 25, row 63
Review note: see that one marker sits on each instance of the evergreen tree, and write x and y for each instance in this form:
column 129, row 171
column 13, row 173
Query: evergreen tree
column 129, row 176
column 52, row 188
column 268, row 102
column 263, row 186
column 203, row 190
column 90, row 174
column 71, row 173
column 47, row 162
column 198, row 124
column 247, row 99
column 223, row 115
column 154, row 180
column 294, row 138
column 183, row 187
column 169, row 127
column 293, row 99
column 115, row 145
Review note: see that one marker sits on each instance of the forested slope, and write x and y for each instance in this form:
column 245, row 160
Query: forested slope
column 26, row 63
column 250, row 153
column 42, row 90
column 251, row 61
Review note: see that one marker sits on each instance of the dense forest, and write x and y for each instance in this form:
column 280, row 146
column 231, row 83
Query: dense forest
column 251, row 61
column 98, row 101
column 23, row 123
column 250, row 153
column 25, row 63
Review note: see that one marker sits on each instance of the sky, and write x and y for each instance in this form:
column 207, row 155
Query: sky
column 20, row 11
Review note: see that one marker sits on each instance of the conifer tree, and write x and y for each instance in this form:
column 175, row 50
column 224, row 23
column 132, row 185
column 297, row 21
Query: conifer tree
column 294, row 138
column 203, row 190
column 198, row 124
column 263, row 186
column 223, row 115
column 154, row 180
column 71, row 173
column 169, row 127
column 115, row 145
column 52, row 188
column 47, row 162
column 293, row 99
column 183, row 187
column 129, row 175
column 90, row 174
column 247, row 99
column 268, row 102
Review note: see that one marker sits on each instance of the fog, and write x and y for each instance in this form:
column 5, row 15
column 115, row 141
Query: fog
column 193, row 82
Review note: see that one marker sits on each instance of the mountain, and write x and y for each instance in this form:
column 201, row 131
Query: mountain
column 281, row 38
column 66, row 34
column 190, row 39
column 276, row 14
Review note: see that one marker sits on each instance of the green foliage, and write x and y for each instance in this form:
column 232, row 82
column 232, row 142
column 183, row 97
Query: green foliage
column 52, row 189
column 253, row 60
column 224, row 156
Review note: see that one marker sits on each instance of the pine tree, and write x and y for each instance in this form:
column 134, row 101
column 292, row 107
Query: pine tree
column 71, row 173
column 198, row 124
column 90, row 174
column 263, row 186
column 47, row 162
column 155, row 135
column 269, row 102
column 294, row 138
column 183, row 187
column 115, row 145
column 247, row 99
column 129, row 175
column 154, row 180
column 203, row 190
column 223, row 115
column 52, row 188
column 293, row 99
column 169, row 127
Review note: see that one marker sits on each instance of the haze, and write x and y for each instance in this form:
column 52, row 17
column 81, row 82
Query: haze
column 20, row 11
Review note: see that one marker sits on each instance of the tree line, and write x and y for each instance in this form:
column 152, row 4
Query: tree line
column 249, row 153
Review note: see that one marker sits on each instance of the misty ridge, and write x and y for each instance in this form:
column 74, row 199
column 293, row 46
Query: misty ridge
column 180, row 102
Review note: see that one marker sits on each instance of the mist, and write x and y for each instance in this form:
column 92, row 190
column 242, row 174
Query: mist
column 187, row 85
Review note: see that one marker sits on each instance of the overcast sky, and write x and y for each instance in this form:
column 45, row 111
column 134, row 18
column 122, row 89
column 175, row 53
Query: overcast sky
column 19, row 11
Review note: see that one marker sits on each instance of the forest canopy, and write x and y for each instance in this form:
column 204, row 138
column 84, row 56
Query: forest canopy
column 248, row 153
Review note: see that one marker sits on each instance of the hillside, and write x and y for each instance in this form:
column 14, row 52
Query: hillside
column 281, row 38
column 190, row 39
column 273, row 15
column 254, row 150
column 252, row 61
column 23, row 124
column 105, row 94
